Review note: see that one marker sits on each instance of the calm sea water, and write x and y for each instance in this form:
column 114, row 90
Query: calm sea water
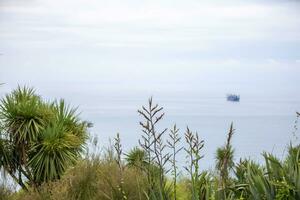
column 261, row 122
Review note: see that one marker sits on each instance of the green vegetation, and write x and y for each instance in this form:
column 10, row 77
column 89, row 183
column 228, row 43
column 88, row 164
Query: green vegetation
column 39, row 140
column 42, row 149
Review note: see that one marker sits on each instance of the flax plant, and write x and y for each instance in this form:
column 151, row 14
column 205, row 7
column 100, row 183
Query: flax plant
column 152, row 142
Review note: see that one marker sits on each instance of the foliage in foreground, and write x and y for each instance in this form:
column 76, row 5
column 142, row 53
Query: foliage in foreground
column 39, row 140
column 150, row 171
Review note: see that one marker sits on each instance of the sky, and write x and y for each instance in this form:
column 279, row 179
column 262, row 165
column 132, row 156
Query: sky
column 109, row 56
column 138, row 44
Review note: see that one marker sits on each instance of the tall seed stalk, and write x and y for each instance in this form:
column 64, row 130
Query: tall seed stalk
column 118, row 148
column 173, row 145
column 152, row 143
column 225, row 167
column 193, row 154
column 296, row 126
column 225, row 163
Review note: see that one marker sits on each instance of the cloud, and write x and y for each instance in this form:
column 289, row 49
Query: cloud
column 273, row 61
column 138, row 36
column 187, row 21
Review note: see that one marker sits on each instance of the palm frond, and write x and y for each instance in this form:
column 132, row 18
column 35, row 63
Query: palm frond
column 57, row 151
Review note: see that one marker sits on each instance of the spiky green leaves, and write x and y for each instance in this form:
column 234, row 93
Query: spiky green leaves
column 278, row 179
column 57, row 150
column 41, row 139
column 223, row 154
column 70, row 120
column 137, row 158
column 24, row 114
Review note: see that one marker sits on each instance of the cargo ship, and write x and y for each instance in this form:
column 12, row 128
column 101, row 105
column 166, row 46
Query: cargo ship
column 233, row 97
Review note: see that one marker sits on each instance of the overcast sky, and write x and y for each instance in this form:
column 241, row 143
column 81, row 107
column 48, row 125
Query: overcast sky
column 137, row 43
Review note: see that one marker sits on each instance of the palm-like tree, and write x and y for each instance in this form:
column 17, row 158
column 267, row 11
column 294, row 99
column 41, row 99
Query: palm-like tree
column 137, row 158
column 39, row 140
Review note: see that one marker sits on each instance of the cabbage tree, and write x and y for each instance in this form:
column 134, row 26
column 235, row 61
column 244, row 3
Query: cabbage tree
column 39, row 139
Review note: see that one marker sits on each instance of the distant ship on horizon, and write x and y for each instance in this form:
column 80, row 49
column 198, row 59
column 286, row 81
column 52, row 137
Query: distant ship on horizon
column 233, row 97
